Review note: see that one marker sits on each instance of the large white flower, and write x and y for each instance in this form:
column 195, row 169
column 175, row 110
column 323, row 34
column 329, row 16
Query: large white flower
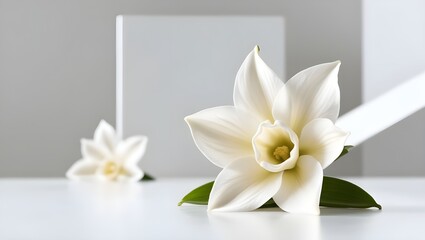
column 108, row 158
column 276, row 139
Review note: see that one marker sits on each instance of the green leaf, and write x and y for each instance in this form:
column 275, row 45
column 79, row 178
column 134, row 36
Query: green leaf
column 345, row 150
column 269, row 204
column 147, row 177
column 339, row 193
column 199, row 195
column 336, row 193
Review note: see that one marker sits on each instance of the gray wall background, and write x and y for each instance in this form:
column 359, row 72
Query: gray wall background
column 57, row 68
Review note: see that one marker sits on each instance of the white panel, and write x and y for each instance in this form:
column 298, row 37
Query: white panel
column 393, row 43
column 174, row 66
column 393, row 53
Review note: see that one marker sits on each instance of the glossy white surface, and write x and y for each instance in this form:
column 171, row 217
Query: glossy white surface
column 59, row 209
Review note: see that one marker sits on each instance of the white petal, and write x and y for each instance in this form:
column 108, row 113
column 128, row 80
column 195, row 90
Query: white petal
column 223, row 134
column 106, row 136
column 256, row 87
column 310, row 94
column 132, row 149
column 131, row 173
column 93, row 150
column 269, row 137
column 243, row 186
column 301, row 187
column 323, row 140
column 83, row 170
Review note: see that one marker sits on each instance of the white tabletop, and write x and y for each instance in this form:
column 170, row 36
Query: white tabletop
column 58, row 209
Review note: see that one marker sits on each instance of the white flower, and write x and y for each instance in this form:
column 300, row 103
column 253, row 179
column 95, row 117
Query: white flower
column 276, row 139
column 108, row 158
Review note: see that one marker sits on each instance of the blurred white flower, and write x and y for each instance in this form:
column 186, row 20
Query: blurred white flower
column 276, row 139
column 108, row 158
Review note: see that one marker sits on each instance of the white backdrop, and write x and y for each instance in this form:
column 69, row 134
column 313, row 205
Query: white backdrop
column 177, row 65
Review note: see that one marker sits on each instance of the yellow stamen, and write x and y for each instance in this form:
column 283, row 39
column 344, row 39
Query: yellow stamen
column 111, row 168
column 281, row 153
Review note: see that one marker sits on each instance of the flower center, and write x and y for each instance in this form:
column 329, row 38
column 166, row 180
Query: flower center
column 111, row 169
column 281, row 153
column 275, row 146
